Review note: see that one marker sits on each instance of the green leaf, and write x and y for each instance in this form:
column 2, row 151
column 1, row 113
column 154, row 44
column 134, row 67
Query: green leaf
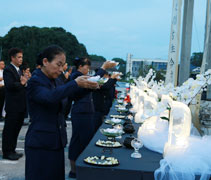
column 164, row 118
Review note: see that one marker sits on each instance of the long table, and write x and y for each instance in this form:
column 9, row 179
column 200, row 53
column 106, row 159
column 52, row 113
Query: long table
column 128, row 169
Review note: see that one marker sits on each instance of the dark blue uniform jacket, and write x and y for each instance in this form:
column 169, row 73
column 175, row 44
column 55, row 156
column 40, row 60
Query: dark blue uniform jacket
column 46, row 103
column 83, row 101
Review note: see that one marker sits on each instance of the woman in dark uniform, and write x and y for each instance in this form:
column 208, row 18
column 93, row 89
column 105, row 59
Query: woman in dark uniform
column 109, row 97
column 46, row 136
column 82, row 113
column 99, row 100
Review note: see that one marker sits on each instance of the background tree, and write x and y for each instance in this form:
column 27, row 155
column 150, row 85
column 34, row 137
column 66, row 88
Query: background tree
column 160, row 74
column 1, row 47
column 33, row 40
column 121, row 66
column 143, row 71
column 196, row 59
column 94, row 57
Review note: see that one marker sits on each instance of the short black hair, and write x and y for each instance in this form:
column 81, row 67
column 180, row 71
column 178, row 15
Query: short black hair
column 24, row 66
column 50, row 52
column 81, row 61
column 14, row 51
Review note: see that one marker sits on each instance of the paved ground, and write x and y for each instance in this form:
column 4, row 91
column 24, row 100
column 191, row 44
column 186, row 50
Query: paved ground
column 14, row 170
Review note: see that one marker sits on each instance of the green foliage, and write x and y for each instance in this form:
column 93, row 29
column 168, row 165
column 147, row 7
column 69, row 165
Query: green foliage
column 121, row 66
column 0, row 47
column 196, row 59
column 160, row 75
column 94, row 57
column 128, row 78
column 164, row 118
column 169, row 113
column 33, row 40
column 144, row 70
column 128, row 74
column 120, row 60
column 131, row 81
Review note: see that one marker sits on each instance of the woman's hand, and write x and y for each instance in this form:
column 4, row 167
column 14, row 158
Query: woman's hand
column 115, row 76
column 84, row 83
column 66, row 75
column 108, row 64
column 27, row 75
column 23, row 80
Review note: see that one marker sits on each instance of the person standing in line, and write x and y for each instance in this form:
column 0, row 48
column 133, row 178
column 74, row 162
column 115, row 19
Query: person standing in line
column 64, row 77
column 26, row 71
column 69, row 101
column 82, row 112
column 2, row 89
column 99, row 100
column 15, row 104
column 38, row 66
column 46, row 136
column 109, row 97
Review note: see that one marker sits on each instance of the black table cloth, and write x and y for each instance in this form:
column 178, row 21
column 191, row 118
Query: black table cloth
column 128, row 169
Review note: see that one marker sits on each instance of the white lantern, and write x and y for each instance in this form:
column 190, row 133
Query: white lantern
column 179, row 127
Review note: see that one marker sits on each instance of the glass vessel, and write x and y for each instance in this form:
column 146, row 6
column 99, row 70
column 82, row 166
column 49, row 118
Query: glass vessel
column 136, row 144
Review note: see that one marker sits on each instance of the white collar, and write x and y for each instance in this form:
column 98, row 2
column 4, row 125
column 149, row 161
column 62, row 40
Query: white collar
column 17, row 68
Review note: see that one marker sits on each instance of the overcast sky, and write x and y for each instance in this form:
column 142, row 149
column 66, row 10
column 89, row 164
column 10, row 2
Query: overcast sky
column 111, row 28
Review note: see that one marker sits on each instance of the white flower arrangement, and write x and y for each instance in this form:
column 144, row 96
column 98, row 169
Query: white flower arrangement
column 146, row 95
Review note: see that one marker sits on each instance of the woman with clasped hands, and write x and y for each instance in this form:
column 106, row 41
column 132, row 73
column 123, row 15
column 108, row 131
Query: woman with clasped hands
column 46, row 136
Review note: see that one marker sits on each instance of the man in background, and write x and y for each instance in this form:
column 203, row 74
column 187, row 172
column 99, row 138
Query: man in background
column 2, row 90
column 15, row 104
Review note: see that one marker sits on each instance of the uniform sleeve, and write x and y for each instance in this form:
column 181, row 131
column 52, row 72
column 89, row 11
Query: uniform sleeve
column 109, row 84
column 38, row 92
column 80, row 92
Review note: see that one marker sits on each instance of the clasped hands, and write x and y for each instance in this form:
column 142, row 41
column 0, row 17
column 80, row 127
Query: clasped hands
column 25, row 78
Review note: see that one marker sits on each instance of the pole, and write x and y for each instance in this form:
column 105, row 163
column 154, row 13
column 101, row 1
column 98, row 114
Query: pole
column 184, row 69
column 174, row 45
column 204, row 65
column 206, row 62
